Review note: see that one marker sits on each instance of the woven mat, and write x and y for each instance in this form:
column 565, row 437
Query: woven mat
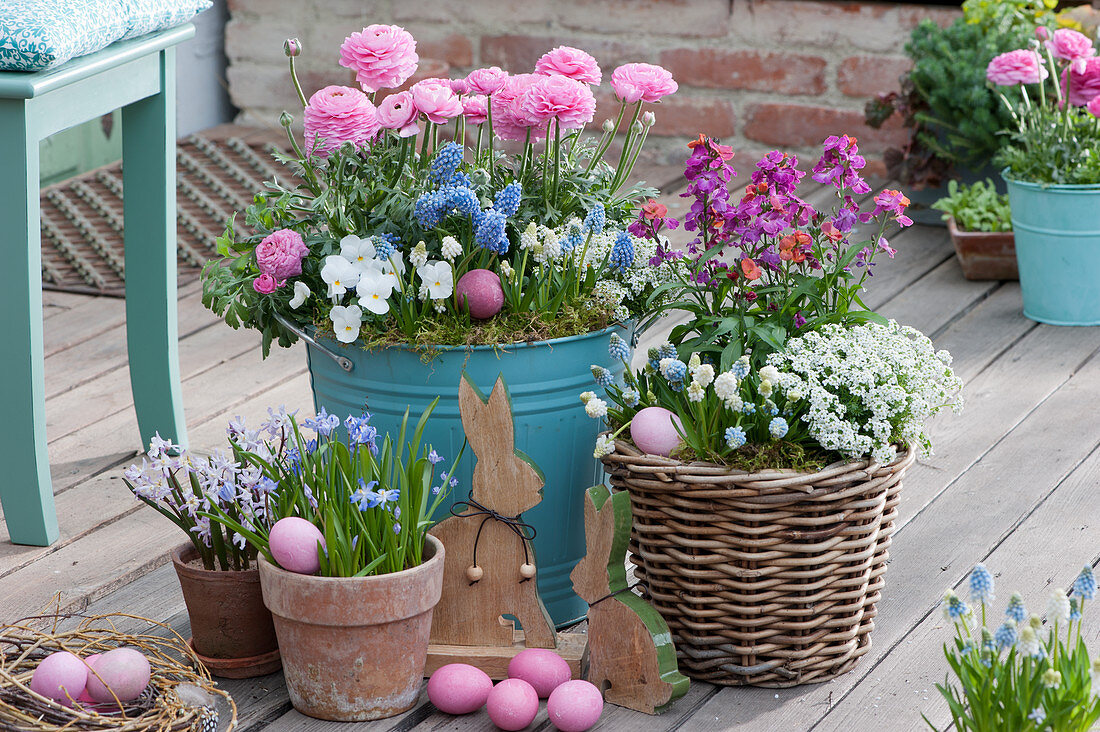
column 218, row 172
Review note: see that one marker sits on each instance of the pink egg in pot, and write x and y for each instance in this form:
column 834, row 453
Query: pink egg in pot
column 543, row 669
column 459, row 688
column 293, row 542
column 653, row 431
column 123, row 673
column 481, row 290
column 512, row 704
column 575, row 706
column 60, row 676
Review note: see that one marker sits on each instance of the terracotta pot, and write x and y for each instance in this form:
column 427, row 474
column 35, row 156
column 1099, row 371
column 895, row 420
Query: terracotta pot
column 985, row 255
column 354, row 648
column 232, row 632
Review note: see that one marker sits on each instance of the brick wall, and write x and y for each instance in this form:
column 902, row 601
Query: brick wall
column 758, row 73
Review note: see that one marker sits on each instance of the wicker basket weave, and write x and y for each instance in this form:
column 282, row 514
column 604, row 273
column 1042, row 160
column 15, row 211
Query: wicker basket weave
column 766, row 579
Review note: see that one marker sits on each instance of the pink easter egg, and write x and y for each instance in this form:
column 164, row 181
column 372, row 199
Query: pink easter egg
column 122, row 673
column 60, row 676
column 459, row 688
column 481, row 289
column 574, row 706
column 653, row 431
column 543, row 669
column 293, row 542
column 512, row 704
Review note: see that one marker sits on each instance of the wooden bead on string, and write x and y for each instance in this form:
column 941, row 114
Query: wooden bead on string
column 474, row 573
column 527, row 570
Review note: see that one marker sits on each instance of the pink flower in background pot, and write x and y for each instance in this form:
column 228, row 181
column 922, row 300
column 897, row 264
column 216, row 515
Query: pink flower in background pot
column 571, row 62
column 1016, row 67
column 642, row 82
column 1082, row 84
column 568, row 101
column 265, row 284
column 1069, row 45
column 382, row 56
column 475, row 108
column 338, row 114
column 434, row 98
column 280, row 254
column 1094, row 106
column 398, row 112
column 509, row 120
column 486, row 81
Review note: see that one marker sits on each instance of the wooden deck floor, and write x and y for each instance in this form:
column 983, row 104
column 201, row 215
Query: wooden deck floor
column 1012, row 484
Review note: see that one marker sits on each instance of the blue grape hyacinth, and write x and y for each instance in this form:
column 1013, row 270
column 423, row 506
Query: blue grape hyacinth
column 595, row 220
column 618, row 348
column 981, row 585
column 602, row 376
column 445, row 163
column 622, row 253
column 507, row 200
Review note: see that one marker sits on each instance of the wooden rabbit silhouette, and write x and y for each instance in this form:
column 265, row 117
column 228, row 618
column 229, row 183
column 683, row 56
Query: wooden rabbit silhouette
column 631, row 656
column 489, row 570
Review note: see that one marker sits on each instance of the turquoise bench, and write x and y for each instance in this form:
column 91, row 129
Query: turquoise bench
column 139, row 77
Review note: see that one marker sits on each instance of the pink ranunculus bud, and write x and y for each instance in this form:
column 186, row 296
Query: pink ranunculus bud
column 571, row 62
column 648, row 118
column 568, row 101
column 338, row 114
column 397, row 112
column 280, row 254
column 382, row 56
column 1082, row 85
column 265, row 284
column 459, row 86
column 1042, row 33
column 1069, row 45
column 475, row 108
column 486, row 81
column 642, row 82
column 434, row 98
column 509, row 120
column 1016, row 67
column 292, row 47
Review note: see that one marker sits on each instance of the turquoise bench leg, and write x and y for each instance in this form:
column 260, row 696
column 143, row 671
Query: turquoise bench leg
column 25, row 488
column 149, row 182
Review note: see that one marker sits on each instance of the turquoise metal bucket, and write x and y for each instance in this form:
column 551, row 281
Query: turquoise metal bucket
column 544, row 379
column 1057, row 231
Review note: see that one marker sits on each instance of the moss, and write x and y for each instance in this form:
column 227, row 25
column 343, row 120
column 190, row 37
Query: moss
column 778, row 455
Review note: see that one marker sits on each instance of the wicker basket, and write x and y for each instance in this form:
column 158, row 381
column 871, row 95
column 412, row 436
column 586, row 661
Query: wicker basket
column 769, row 578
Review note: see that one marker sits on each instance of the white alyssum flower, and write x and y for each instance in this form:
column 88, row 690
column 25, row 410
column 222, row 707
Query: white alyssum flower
column 419, row 255
column 360, row 252
column 888, row 374
column 703, row 375
column 450, row 249
column 301, row 294
column 438, row 279
column 346, row 322
column 596, row 408
column 374, row 290
column 605, row 445
column 339, row 274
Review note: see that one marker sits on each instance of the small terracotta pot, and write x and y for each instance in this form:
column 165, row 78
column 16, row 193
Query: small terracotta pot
column 354, row 648
column 232, row 632
column 985, row 255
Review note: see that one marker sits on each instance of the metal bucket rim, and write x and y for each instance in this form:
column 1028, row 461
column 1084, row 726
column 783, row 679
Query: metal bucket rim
column 1060, row 187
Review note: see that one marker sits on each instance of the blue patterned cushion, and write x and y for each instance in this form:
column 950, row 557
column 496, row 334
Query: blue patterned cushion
column 39, row 34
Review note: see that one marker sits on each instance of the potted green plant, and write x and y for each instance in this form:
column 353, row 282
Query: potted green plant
column 1051, row 165
column 980, row 224
column 347, row 567
column 389, row 246
column 232, row 631
column 764, row 445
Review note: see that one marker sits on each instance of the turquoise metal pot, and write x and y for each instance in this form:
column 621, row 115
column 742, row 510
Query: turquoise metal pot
column 1057, row 231
column 544, row 379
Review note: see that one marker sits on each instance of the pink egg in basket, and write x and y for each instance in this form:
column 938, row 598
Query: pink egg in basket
column 653, row 431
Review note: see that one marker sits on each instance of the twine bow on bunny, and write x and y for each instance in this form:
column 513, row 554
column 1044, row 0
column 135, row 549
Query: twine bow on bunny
column 525, row 531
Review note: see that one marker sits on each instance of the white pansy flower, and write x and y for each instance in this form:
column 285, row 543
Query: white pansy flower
column 360, row 252
column 450, row 249
column 301, row 294
column 346, row 322
column 438, row 279
column 395, row 265
column 374, row 290
column 339, row 274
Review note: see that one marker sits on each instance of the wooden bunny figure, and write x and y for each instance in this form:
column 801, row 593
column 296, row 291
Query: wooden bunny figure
column 631, row 656
column 489, row 570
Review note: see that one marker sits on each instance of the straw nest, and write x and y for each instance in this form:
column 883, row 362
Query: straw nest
column 180, row 695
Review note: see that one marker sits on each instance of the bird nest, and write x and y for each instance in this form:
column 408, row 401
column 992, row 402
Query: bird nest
column 180, row 694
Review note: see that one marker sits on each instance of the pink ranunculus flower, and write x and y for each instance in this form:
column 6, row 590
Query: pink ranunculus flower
column 397, row 112
column 338, row 114
column 280, row 254
column 459, row 86
column 571, row 62
column 265, row 284
column 434, row 98
column 510, row 122
column 1022, row 66
column 382, row 56
column 642, row 82
column 475, row 108
column 486, row 81
column 1069, row 45
column 1094, row 106
column 1082, row 85
column 567, row 100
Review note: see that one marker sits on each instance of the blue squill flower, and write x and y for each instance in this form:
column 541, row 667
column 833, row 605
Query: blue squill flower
column 366, row 497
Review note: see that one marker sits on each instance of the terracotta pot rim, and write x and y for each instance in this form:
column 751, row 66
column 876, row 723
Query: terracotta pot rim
column 955, row 231
column 184, row 553
column 422, row 568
